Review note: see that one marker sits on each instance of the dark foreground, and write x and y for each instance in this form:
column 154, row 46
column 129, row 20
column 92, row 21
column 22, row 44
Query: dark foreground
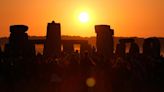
column 87, row 73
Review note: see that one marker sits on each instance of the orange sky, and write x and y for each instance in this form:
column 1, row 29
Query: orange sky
column 142, row 18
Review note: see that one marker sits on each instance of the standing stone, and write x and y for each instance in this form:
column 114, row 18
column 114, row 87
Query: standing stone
column 151, row 47
column 120, row 50
column 52, row 47
column 134, row 49
column 104, row 41
column 19, row 46
column 68, row 47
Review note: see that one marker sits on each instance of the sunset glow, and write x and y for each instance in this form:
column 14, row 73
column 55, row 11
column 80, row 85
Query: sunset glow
column 141, row 18
column 81, row 45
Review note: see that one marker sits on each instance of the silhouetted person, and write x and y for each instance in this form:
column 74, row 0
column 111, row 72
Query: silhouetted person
column 87, row 65
column 94, row 55
column 86, row 62
column 120, row 75
column 93, row 49
column 77, row 56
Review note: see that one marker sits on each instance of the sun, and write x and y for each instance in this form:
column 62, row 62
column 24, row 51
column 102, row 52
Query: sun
column 83, row 17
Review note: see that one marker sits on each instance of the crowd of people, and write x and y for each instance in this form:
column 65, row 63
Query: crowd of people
column 82, row 72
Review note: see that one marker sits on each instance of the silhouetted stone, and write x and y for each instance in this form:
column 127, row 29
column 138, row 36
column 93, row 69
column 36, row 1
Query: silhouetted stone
column 68, row 47
column 86, row 63
column 121, row 47
column 104, row 41
column 134, row 49
column 120, row 50
column 127, row 40
column 85, row 47
column 72, row 71
column 52, row 46
column 19, row 45
column 18, row 28
column 151, row 47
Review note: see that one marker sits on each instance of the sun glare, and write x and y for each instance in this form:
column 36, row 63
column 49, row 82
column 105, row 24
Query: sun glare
column 84, row 17
column 90, row 82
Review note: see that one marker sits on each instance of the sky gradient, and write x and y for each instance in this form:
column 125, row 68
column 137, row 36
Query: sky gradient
column 139, row 18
